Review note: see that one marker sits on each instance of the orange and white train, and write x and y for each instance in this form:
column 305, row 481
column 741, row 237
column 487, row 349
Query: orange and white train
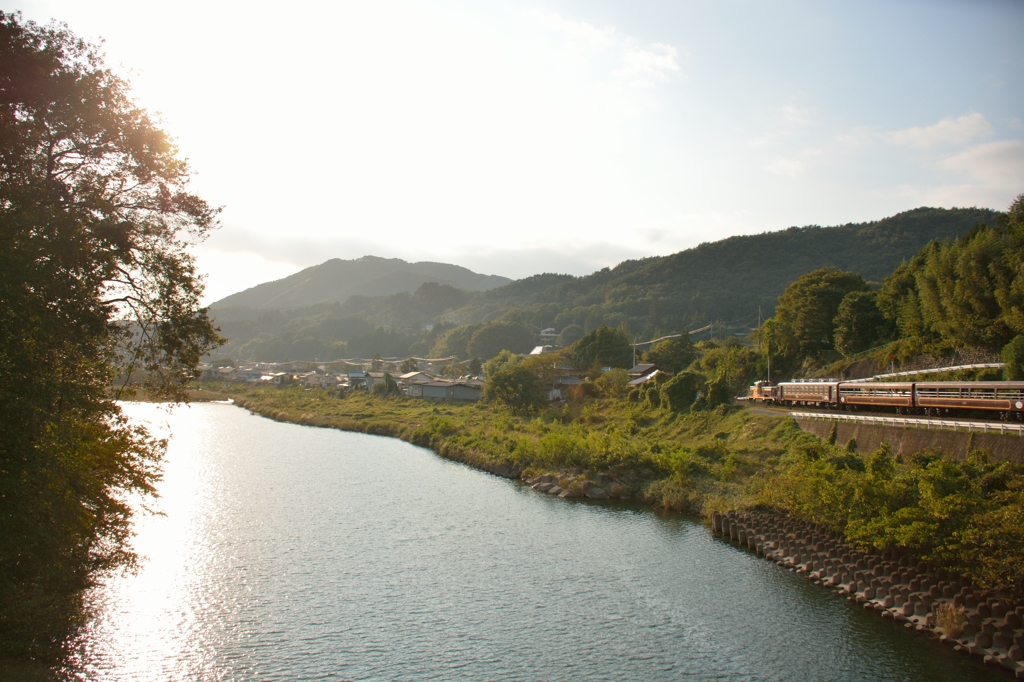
column 934, row 398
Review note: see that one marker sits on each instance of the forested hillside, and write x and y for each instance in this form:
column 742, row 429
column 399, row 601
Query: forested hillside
column 726, row 281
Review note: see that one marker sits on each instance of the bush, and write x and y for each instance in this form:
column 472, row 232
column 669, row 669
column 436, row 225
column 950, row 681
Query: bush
column 950, row 619
column 679, row 393
column 1013, row 356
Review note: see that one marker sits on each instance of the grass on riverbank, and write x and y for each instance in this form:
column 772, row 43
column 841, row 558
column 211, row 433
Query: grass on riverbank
column 964, row 516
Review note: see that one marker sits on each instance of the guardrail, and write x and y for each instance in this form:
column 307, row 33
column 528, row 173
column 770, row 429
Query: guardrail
column 941, row 424
column 933, row 370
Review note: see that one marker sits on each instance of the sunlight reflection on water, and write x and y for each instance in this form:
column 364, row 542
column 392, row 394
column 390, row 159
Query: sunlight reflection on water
column 290, row 552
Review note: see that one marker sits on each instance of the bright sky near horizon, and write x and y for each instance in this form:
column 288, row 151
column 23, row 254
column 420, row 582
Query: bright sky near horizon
column 517, row 137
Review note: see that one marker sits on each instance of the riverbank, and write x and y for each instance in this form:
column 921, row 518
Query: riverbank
column 922, row 506
column 927, row 600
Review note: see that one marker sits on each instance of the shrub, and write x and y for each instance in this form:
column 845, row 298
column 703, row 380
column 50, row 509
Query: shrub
column 950, row 619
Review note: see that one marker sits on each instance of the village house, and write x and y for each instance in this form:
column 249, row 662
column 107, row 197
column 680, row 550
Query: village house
column 561, row 386
column 440, row 389
column 641, row 374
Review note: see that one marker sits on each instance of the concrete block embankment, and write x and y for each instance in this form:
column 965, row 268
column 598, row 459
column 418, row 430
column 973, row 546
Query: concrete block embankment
column 927, row 600
column 907, row 440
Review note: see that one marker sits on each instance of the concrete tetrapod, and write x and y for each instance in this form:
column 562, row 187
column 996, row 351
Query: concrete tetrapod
column 897, row 587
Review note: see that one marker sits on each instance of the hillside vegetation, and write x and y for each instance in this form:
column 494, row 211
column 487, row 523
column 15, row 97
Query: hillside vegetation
column 724, row 281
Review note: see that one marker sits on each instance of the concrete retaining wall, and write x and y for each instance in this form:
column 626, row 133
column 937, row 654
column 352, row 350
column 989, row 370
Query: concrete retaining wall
column 907, row 441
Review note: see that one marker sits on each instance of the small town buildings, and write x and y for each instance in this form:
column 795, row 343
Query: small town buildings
column 544, row 350
column 548, row 335
column 440, row 389
column 643, row 373
column 561, row 386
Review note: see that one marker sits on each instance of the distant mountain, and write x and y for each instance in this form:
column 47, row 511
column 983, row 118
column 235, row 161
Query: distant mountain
column 728, row 281
column 724, row 280
column 336, row 280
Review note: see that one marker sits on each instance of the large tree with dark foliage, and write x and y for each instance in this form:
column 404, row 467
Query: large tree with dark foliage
column 605, row 346
column 98, row 294
column 807, row 309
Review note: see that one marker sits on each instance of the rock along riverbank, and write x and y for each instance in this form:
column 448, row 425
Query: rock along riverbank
column 900, row 589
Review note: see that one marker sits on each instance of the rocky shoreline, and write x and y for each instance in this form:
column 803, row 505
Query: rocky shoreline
column 577, row 484
column 897, row 588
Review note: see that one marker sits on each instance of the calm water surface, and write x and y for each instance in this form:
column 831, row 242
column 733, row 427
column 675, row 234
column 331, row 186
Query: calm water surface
column 289, row 552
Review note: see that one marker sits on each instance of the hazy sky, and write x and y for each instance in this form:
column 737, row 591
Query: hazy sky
column 521, row 137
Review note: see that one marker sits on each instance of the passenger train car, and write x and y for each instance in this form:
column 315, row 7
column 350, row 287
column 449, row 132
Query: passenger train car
column 933, row 398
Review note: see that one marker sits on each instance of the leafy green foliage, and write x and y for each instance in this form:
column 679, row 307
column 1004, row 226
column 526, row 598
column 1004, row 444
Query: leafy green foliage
column 807, row 309
column 680, row 392
column 515, row 387
column 860, row 325
column 492, row 338
column 454, row 342
column 967, row 293
column 603, row 347
column 927, row 506
column 672, row 355
column 97, row 288
column 505, row 358
column 1013, row 356
column 569, row 335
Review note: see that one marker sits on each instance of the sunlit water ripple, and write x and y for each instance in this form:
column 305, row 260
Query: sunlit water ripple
column 289, row 552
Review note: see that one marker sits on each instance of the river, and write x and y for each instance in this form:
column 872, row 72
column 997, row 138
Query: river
column 294, row 553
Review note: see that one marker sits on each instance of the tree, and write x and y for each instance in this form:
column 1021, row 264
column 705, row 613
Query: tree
column 808, row 307
column 860, row 325
column 569, row 335
column 98, row 296
column 673, row 355
column 1013, row 357
column 604, row 347
column 454, row 342
column 967, row 293
column 494, row 337
column 503, row 359
column 515, row 387
column 386, row 386
column 679, row 392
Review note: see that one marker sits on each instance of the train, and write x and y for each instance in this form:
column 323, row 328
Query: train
column 930, row 398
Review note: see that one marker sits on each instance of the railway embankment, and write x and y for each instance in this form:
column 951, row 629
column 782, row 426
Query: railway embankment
column 907, row 440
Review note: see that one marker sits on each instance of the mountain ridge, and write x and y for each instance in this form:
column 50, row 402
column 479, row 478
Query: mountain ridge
column 336, row 280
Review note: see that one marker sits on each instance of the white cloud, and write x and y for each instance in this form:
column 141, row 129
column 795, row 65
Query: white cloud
column 947, row 131
column 639, row 65
column 790, row 167
column 997, row 164
column 596, row 38
column 795, row 115
column 648, row 67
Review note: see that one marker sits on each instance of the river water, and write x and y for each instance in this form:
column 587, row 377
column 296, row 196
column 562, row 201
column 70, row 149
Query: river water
column 293, row 553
